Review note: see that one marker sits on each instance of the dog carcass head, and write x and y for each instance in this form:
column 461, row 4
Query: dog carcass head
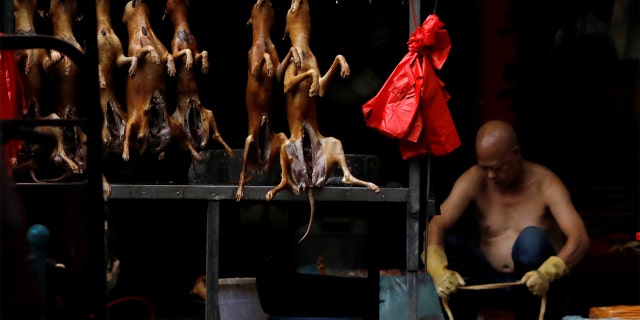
column 195, row 124
column 159, row 131
column 308, row 163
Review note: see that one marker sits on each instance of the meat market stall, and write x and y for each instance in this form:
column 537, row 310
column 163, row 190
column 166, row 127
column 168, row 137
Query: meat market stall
column 90, row 274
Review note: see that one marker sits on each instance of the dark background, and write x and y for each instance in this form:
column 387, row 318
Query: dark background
column 572, row 97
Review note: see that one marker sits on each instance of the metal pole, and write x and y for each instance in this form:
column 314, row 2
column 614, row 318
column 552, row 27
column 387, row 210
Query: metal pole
column 213, row 254
column 413, row 219
column 413, row 207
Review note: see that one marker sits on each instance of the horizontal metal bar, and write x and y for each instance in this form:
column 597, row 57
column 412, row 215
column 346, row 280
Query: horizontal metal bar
column 43, row 122
column 57, row 185
column 30, row 41
column 253, row 193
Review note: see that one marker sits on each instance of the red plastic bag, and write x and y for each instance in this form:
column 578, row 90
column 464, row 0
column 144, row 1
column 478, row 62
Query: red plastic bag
column 412, row 106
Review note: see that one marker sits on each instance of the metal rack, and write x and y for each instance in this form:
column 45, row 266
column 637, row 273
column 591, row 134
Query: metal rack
column 214, row 194
column 86, row 194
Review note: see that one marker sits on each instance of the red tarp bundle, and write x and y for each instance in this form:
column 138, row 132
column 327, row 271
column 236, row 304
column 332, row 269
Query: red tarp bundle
column 11, row 101
column 412, row 104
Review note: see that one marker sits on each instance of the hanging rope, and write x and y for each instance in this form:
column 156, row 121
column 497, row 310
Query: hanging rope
column 543, row 302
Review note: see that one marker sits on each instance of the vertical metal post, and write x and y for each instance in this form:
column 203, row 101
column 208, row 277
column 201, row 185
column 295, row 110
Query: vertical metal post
column 413, row 215
column 413, row 207
column 213, row 253
column 89, row 95
column 430, row 209
column 414, row 11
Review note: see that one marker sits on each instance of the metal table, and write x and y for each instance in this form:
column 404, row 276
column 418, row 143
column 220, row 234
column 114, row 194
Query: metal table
column 216, row 193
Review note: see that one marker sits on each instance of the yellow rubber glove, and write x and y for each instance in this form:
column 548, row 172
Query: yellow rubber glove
column 445, row 280
column 538, row 280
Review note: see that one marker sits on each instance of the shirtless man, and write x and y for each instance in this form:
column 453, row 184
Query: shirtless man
column 529, row 231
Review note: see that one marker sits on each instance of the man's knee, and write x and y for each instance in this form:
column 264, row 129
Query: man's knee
column 532, row 248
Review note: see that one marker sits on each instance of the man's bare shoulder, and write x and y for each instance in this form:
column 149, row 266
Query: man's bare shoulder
column 537, row 168
column 545, row 176
column 474, row 172
column 473, row 178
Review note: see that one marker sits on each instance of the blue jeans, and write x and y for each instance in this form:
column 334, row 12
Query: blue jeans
column 531, row 248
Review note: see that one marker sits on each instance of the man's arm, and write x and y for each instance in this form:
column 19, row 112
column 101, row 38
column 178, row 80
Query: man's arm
column 447, row 281
column 454, row 206
column 568, row 219
column 558, row 199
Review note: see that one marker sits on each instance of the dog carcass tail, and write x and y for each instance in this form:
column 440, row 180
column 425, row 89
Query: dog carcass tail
column 313, row 209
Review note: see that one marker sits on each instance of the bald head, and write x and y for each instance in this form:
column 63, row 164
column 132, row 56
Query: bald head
column 498, row 153
column 496, row 135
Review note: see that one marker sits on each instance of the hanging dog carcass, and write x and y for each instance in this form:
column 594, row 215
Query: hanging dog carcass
column 308, row 157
